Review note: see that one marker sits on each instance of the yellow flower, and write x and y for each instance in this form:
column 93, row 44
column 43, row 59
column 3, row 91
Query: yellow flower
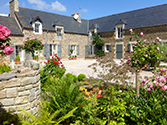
column 82, row 89
column 89, row 97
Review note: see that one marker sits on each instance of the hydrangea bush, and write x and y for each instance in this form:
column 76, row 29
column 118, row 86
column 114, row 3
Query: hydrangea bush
column 5, row 41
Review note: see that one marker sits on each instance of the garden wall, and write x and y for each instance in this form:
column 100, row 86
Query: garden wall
column 20, row 89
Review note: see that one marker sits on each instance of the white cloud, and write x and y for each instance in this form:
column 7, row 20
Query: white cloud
column 3, row 14
column 84, row 10
column 58, row 6
column 7, row 4
column 39, row 4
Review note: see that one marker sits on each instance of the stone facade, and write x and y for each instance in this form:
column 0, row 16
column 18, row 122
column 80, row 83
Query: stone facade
column 22, row 91
column 150, row 33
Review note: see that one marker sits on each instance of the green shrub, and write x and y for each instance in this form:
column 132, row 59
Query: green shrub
column 64, row 94
column 81, row 77
column 164, row 49
column 72, row 77
column 44, row 117
column 4, row 68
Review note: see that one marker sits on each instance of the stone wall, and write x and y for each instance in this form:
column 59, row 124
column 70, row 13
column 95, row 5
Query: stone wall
column 20, row 89
column 150, row 33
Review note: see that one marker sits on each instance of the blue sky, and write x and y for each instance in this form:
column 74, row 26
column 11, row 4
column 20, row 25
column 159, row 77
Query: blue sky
column 89, row 9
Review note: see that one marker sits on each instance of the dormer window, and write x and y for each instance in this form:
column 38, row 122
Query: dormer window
column 120, row 25
column 36, row 24
column 92, row 34
column 36, row 28
column 120, row 32
column 59, row 33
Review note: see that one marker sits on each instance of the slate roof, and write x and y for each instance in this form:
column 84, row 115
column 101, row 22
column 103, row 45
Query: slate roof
column 146, row 17
column 70, row 25
column 11, row 24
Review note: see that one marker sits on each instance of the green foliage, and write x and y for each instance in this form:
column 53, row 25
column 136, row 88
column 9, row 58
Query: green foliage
column 164, row 49
column 54, row 68
column 32, row 45
column 110, row 108
column 36, row 57
column 81, row 77
column 98, row 44
column 17, row 58
column 4, row 68
column 7, row 118
column 45, row 117
column 69, row 75
column 64, row 94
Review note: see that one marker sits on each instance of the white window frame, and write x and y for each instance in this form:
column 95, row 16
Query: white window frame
column 62, row 32
column 19, row 51
column 105, row 49
column 53, row 49
column 74, row 47
column 40, row 27
column 92, row 49
column 117, row 27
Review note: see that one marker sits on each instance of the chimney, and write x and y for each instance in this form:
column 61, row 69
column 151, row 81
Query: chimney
column 14, row 7
column 77, row 17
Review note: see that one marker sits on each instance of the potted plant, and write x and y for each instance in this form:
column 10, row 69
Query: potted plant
column 17, row 60
column 36, row 58
column 70, row 57
column 75, row 56
column 71, row 50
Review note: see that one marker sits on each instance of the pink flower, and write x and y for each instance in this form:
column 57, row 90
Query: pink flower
column 151, row 85
column 129, row 58
column 135, row 43
column 42, row 44
column 153, row 41
column 2, row 36
column 141, row 34
column 161, row 84
column 146, row 55
column 8, row 50
column 144, row 81
column 158, row 48
column 25, row 40
column 122, row 60
column 163, row 70
column 144, row 52
column 12, row 124
column 143, row 46
column 130, row 30
column 160, row 40
column 144, row 40
column 165, row 96
column 32, row 38
column 98, row 95
column 164, row 88
column 148, row 90
column 28, row 37
column 162, row 52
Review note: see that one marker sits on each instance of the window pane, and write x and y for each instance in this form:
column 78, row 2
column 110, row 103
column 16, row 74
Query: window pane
column 59, row 33
column 50, row 49
column 37, row 28
column 107, row 47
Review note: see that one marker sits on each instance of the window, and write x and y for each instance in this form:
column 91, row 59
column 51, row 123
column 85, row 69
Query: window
column 73, row 47
column 92, row 50
column 92, row 34
column 107, row 48
column 53, row 49
column 36, row 28
column 119, row 32
column 59, row 33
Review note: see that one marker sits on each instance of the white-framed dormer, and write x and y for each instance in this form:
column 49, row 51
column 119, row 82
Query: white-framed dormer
column 37, row 27
column 59, row 32
column 93, row 30
column 107, row 47
column 119, row 31
column 36, row 23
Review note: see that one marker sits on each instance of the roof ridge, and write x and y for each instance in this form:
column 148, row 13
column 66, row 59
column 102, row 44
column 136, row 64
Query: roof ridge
column 130, row 11
column 49, row 12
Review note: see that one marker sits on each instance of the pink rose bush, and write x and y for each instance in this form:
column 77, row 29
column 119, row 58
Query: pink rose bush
column 145, row 53
column 5, row 41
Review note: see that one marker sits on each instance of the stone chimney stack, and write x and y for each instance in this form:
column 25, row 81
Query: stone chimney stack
column 77, row 17
column 14, row 7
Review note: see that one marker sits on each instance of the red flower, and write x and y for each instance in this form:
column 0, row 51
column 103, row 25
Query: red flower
column 56, row 63
column 45, row 62
column 58, row 58
column 98, row 95
column 62, row 65
column 50, row 54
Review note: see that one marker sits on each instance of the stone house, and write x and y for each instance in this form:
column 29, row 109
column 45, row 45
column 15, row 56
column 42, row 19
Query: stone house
column 61, row 33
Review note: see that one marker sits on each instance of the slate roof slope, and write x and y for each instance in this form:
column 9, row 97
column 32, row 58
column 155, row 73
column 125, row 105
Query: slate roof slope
column 11, row 24
column 70, row 25
column 146, row 17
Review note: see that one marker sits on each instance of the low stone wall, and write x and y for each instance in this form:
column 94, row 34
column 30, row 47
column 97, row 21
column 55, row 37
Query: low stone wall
column 20, row 89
